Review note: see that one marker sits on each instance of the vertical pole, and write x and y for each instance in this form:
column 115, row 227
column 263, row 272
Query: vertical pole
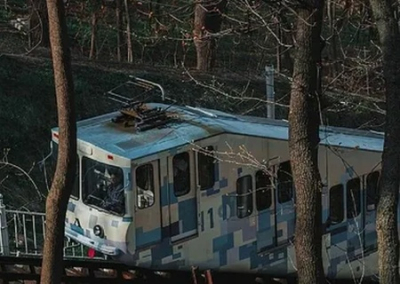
column 209, row 279
column 5, row 249
column 269, row 80
column 194, row 274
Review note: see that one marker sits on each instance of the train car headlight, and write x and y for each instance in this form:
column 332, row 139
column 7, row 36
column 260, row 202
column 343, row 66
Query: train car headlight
column 98, row 231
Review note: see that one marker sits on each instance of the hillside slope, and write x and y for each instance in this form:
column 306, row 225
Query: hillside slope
column 28, row 108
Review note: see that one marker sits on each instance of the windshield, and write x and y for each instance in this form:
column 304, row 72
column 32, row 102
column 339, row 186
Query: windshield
column 103, row 186
column 75, row 189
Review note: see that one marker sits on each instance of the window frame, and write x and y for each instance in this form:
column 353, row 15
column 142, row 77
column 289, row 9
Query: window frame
column 259, row 189
column 200, row 157
column 376, row 191
column 339, row 185
column 189, row 185
column 358, row 201
column 249, row 192
column 84, row 194
column 152, row 186
column 279, row 184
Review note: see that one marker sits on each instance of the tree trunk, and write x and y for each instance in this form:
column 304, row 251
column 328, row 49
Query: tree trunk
column 129, row 34
column 304, row 140
column 386, row 220
column 92, row 53
column 118, row 14
column 207, row 19
column 39, row 24
column 57, row 200
column 286, row 59
column 331, row 12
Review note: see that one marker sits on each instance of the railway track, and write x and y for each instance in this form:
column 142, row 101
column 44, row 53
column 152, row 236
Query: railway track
column 26, row 270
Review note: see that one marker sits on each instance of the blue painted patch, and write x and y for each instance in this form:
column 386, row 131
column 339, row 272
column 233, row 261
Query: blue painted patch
column 188, row 214
column 224, row 242
column 176, row 255
column 172, row 197
column 264, row 220
column 216, row 169
column 223, row 183
column 228, row 206
column 245, row 251
column 223, row 258
column 338, row 238
column 147, row 238
column 174, row 229
column 114, row 223
column 161, row 251
column 71, row 207
column 127, row 219
column 278, row 254
column 77, row 229
column 212, row 191
column 164, row 192
column 265, row 239
column 333, row 266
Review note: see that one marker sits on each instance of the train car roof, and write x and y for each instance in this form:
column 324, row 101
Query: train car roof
column 199, row 123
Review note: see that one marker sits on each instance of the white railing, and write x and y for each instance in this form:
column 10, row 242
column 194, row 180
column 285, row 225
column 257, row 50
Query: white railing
column 22, row 234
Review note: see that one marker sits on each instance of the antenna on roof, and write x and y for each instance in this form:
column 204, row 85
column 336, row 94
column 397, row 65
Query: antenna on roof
column 146, row 85
column 135, row 112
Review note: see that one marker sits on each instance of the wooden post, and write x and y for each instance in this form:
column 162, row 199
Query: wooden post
column 208, row 277
column 4, row 241
column 194, row 274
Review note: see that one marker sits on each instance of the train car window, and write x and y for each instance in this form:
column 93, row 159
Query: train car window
column 145, row 186
column 206, row 168
column 103, row 186
column 372, row 190
column 75, row 189
column 181, row 170
column 285, row 182
column 263, row 190
column 353, row 198
column 244, row 199
column 336, row 206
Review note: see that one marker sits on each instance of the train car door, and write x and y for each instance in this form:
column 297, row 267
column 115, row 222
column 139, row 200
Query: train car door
column 336, row 227
column 355, row 220
column 147, row 204
column 207, row 176
column 285, row 204
column 182, row 196
column 370, row 198
column 265, row 207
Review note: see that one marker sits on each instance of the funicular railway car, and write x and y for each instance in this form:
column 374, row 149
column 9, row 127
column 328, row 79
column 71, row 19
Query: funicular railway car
column 163, row 186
